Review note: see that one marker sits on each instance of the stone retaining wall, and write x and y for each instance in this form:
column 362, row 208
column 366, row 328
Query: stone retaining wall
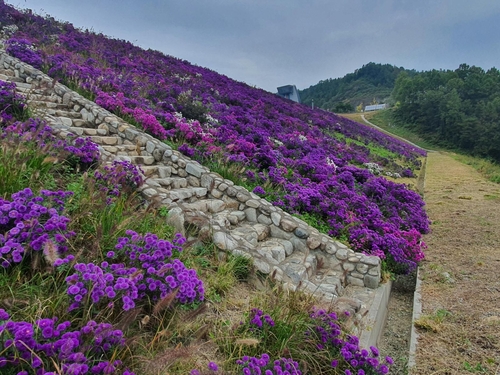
column 239, row 221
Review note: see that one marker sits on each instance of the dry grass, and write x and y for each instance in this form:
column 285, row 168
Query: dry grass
column 460, row 273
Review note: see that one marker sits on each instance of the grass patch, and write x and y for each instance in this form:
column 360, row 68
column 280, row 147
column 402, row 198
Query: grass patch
column 433, row 322
column 486, row 168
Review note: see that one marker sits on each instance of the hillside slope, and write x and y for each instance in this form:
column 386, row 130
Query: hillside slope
column 310, row 163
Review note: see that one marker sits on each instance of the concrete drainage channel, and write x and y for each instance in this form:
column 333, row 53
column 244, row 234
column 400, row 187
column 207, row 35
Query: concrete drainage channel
column 375, row 319
column 389, row 323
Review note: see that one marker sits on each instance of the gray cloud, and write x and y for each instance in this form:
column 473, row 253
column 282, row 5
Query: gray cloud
column 269, row 43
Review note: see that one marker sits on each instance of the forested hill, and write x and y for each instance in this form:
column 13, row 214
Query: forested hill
column 372, row 82
column 457, row 108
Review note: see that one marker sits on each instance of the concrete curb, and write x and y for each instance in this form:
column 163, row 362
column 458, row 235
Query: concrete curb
column 376, row 318
column 417, row 312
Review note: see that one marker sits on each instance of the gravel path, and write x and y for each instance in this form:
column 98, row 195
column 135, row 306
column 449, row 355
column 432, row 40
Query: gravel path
column 459, row 330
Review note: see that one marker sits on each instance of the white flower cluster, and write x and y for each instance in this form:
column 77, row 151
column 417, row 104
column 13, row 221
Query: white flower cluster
column 374, row 168
column 302, row 137
column 182, row 78
column 211, row 120
column 331, row 163
column 8, row 30
column 393, row 174
column 276, row 142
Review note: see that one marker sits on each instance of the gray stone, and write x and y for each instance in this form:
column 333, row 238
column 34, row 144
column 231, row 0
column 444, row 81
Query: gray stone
column 295, row 272
column 280, row 233
column 374, row 272
column 278, row 253
column 313, row 242
column 371, row 281
column 354, row 281
column 262, row 231
column 288, row 225
column 240, row 215
column 149, row 192
column 298, row 244
column 224, row 242
column 179, row 183
column 158, row 154
column 250, row 236
column 207, row 181
column 328, row 288
column 276, row 218
column 262, row 266
column 181, row 194
column 330, row 248
column 277, row 274
column 200, row 191
column 222, row 187
column 242, row 197
column 263, row 219
column 195, row 169
column 341, row 254
column 231, row 191
column 231, row 204
column 288, row 247
column 340, row 245
column 252, row 203
column 216, row 193
column 215, row 205
column 301, row 233
column 362, row 268
column 66, row 121
column 193, row 181
column 176, row 219
column 251, row 214
column 130, row 134
column 274, row 249
column 370, row 260
column 233, row 219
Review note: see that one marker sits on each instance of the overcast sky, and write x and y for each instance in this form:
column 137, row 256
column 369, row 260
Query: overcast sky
column 271, row 43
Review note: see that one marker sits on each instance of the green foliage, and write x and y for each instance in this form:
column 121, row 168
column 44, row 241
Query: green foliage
column 343, row 108
column 458, row 109
column 487, row 168
column 369, row 82
column 22, row 165
column 99, row 222
column 477, row 368
column 315, row 221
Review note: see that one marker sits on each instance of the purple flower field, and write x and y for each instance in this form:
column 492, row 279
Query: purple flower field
column 312, row 158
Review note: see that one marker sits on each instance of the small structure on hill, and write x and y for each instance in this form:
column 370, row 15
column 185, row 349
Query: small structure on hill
column 375, row 107
column 289, row 92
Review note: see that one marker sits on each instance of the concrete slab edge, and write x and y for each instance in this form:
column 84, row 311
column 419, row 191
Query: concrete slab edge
column 375, row 320
column 417, row 312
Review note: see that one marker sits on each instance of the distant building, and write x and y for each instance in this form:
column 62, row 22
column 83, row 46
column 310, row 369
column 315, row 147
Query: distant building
column 375, row 107
column 289, row 92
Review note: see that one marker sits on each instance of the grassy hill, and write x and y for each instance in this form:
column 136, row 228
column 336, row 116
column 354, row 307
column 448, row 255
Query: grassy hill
column 372, row 83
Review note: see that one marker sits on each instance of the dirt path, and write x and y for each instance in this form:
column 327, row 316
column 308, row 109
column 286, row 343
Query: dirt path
column 459, row 331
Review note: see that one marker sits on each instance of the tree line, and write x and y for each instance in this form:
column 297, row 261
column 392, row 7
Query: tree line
column 371, row 83
column 455, row 108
